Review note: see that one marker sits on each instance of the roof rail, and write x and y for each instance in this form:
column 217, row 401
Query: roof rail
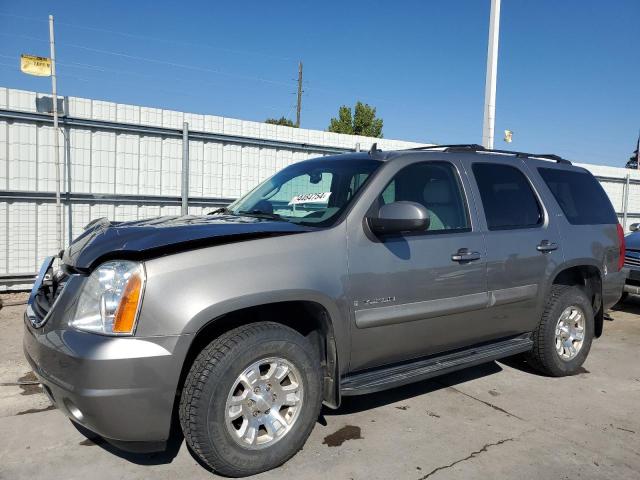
column 473, row 147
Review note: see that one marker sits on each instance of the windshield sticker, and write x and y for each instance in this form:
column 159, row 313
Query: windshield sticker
column 311, row 198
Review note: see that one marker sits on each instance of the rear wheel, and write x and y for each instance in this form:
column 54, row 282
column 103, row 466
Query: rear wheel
column 563, row 338
column 251, row 399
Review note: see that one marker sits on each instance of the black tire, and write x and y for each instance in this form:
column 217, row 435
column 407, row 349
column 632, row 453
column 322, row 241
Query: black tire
column 544, row 356
column 210, row 379
column 624, row 297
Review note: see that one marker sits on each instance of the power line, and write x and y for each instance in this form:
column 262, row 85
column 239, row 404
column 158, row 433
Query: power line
column 156, row 39
column 158, row 61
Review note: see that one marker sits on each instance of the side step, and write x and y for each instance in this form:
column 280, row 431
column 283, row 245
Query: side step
column 401, row 374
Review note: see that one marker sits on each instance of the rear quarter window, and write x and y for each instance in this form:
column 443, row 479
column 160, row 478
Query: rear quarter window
column 580, row 196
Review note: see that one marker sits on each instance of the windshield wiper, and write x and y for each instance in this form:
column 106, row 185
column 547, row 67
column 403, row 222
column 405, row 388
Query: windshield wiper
column 261, row 214
column 223, row 210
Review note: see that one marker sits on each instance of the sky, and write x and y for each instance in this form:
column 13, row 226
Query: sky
column 568, row 70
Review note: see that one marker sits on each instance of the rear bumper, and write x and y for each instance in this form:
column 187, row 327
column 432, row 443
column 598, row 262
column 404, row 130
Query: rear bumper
column 122, row 388
column 612, row 288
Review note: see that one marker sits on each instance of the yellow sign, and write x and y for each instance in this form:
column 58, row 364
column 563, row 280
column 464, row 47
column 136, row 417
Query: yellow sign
column 508, row 136
column 38, row 66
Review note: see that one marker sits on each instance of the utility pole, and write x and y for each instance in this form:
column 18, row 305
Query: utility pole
column 492, row 72
column 299, row 106
column 56, row 146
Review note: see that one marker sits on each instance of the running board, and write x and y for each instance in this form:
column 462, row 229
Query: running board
column 401, row 374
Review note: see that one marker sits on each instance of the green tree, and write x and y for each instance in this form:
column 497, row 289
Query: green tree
column 362, row 122
column 280, row 121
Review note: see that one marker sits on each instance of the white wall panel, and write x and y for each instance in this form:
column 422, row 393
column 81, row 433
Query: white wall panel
column 148, row 211
column 249, row 172
column 232, row 126
column 196, row 160
column 127, row 166
column 195, row 121
column 126, row 213
column 103, row 162
column 213, row 124
column 46, row 166
column 80, row 160
column 267, row 164
column 3, row 153
column 231, row 167
column 102, row 110
column 4, row 97
column 151, row 116
column 80, row 107
column 22, row 100
column 170, row 210
column 99, row 210
column 46, row 237
column 128, row 113
column 4, row 240
column 150, row 165
column 172, row 119
column 81, row 216
column 212, row 170
column 171, row 166
column 22, row 237
column 22, row 152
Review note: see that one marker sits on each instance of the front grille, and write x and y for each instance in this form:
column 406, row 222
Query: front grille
column 632, row 262
column 632, row 259
column 46, row 290
column 46, row 297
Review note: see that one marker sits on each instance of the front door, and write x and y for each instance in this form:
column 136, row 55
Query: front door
column 417, row 294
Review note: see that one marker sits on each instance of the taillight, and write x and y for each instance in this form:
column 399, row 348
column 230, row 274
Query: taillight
column 621, row 246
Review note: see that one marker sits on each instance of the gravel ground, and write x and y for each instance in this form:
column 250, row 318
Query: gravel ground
column 497, row 421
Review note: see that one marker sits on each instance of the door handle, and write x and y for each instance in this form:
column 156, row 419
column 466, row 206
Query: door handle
column 465, row 255
column 546, row 246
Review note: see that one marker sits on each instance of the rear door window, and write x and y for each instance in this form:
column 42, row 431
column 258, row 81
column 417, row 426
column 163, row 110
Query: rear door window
column 580, row 196
column 507, row 197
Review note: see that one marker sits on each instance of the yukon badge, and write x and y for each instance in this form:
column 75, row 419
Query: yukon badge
column 374, row 301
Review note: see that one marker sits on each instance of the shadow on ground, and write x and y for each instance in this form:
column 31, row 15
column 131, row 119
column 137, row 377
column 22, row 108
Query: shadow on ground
column 630, row 305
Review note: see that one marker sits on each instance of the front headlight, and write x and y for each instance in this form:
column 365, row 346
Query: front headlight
column 111, row 298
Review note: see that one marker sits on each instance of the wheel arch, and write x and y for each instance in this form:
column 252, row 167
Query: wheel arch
column 588, row 276
column 310, row 317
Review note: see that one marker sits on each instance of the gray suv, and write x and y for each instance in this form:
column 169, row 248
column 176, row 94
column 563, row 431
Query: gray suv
column 337, row 276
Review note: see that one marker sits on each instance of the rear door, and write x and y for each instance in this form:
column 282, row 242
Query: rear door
column 523, row 242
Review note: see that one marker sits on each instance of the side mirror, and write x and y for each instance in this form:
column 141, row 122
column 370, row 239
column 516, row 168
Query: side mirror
column 634, row 227
column 399, row 217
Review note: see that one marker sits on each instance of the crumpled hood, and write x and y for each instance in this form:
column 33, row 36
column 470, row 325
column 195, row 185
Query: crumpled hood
column 150, row 238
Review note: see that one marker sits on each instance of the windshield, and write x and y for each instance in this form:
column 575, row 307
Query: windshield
column 312, row 192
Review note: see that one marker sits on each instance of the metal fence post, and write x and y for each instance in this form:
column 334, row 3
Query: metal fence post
column 625, row 202
column 185, row 168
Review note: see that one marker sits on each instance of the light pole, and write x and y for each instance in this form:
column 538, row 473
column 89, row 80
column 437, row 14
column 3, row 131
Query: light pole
column 492, row 72
column 56, row 146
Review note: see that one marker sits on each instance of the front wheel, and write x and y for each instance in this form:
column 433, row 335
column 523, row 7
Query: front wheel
column 251, row 399
column 562, row 340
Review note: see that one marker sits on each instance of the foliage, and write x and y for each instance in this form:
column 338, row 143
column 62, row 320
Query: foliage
column 362, row 122
column 280, row 121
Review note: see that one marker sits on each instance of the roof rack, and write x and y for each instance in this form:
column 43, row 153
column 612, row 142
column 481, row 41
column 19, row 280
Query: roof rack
column 473, row 147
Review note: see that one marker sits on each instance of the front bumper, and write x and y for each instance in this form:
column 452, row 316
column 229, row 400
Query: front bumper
column 632, row 282
column 122, row 388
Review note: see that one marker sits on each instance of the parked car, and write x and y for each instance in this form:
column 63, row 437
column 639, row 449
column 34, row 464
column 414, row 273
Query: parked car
column 338, row 276
column 632, row 261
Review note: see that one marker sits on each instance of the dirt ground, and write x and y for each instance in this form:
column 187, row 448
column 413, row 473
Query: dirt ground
column 498, row 421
